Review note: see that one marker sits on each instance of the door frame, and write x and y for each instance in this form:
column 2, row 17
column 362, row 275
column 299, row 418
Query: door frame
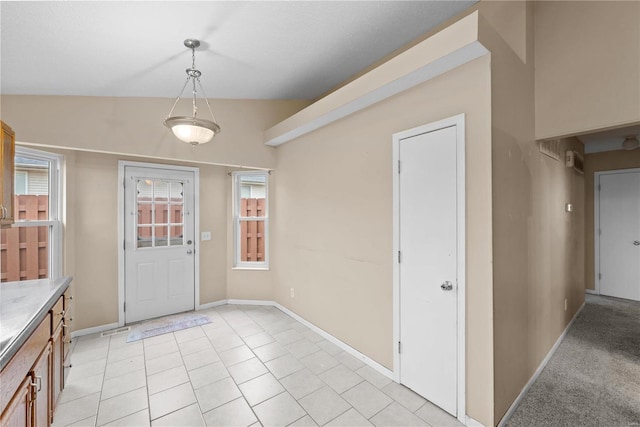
column 596, row 222
column 121, row 231
column 459, row 122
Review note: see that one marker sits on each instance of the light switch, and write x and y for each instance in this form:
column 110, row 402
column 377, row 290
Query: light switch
column 568, row 207
column 205, row 235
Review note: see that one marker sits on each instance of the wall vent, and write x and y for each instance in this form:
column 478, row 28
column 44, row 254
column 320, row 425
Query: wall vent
column 551, row 147
column 115, row 331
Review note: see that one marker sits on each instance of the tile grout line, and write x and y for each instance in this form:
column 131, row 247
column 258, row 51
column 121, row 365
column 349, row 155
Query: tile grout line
column 259, row 322
column 234, row 380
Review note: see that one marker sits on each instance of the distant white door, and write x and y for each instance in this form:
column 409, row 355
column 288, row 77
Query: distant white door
column 428, row 229
column 159, row 242
column 619, row 251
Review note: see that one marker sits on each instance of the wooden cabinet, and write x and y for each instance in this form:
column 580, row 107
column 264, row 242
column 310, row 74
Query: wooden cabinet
column 40, row 375
column 31, row 361
column 31, row 383
column 18, row 412
column 60, row 343
column 66, row 335
column 57, row 369
column 7, row 159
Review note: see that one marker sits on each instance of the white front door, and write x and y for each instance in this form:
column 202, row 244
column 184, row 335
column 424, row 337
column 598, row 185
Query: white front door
column 159, row 242
column 428, row 243
column 619, row 204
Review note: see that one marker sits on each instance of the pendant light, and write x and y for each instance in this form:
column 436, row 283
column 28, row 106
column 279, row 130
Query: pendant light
column 192, row 129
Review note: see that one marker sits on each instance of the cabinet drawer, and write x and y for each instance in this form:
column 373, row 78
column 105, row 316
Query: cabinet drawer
column 18, row 367
column 57, row 313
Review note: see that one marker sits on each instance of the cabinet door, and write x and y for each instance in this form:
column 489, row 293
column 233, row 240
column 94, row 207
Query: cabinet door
column 57, row 370
column 41, row 383
column 7, row 154
column 18, row 412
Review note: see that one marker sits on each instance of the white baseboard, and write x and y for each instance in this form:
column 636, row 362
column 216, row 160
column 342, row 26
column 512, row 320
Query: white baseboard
column 211, row 305
column 250, row 302
column 591, row 291
column 94, row 330
column 535, row 376
column 470, row 422
column 346, row 347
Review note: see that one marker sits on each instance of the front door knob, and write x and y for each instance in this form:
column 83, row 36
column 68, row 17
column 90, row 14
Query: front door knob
column 446, row 286
column 189, row 251
column 636, row 242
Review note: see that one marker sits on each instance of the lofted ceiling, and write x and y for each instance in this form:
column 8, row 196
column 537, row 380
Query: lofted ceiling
column 250, row 50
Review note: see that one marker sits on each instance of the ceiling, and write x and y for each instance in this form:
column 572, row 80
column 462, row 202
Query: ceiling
column 608, row 140
column 250, row 50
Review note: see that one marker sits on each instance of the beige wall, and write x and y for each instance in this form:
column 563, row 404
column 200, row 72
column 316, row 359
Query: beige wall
column 334, row 222
column 537, row 246
column 588, row 66
column 596, row 162
column 91, row 234
column 133, row 126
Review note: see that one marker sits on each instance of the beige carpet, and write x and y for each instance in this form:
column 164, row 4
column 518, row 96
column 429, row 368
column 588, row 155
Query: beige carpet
column 593, row 379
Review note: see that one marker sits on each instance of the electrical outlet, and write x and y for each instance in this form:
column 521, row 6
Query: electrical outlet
column 565, row 304
column 293, row 295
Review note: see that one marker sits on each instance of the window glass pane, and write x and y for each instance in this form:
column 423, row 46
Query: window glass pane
column 245, row 191
column 252, row 241
column 177, row 196
column 24, row 253
column 144, row 239
column 161, row 236
column 161, row 191
column 32, row 189
column 252, row 207
column 145, row 190
column 20, row 183
column 177, row 238
column 161, row 213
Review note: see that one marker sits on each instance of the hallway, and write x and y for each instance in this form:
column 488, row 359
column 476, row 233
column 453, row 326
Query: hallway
column 593, row 379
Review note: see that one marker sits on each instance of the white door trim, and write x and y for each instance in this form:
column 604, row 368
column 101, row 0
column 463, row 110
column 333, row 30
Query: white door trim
column 596, row 223
column 459, row 122
column 196, row 192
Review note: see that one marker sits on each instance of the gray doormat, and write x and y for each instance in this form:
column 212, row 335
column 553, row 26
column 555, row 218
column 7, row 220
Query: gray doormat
column 164, row 325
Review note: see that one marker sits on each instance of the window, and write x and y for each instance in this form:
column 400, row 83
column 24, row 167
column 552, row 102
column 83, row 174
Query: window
column 159, row 222
column 31, row 249
column 251, row 219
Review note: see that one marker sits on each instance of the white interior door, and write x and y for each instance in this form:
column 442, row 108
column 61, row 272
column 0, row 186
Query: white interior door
column 159, row 250
column 619, row 204
column 428, row 268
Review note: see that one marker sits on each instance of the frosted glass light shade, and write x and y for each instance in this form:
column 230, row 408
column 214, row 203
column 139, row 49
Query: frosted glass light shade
column 192, row 130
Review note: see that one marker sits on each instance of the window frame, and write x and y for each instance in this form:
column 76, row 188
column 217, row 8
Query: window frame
column 55, row 207
column 238, row 264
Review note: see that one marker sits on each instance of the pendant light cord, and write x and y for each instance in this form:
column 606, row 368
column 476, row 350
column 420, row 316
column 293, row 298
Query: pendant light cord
column 204, row 95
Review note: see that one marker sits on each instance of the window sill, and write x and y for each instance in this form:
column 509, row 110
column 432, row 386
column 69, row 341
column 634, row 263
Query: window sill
column 251, row 268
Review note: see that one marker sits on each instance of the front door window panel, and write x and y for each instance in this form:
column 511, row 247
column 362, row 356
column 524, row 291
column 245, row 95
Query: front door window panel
column 160, row 213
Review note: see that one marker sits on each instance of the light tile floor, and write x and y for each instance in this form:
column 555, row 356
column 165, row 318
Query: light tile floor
column 252, row 365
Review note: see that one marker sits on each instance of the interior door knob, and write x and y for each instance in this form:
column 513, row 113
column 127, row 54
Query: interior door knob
column 636, row 242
